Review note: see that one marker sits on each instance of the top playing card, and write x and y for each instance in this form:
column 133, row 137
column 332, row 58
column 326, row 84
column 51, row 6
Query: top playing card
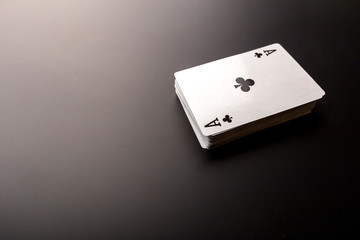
column 233, row 91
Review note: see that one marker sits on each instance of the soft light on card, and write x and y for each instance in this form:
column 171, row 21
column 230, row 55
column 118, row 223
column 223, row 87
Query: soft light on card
column 223, row 95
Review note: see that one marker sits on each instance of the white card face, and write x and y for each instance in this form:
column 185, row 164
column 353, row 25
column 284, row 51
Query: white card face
column 243, row 88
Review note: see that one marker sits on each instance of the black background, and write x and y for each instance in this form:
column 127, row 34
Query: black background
column 94, row 143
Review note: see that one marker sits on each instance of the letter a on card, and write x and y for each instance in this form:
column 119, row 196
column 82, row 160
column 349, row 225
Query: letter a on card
column 213, row 123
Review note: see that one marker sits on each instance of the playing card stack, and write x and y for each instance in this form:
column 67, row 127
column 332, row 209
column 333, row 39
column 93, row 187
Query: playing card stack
column 236, row 96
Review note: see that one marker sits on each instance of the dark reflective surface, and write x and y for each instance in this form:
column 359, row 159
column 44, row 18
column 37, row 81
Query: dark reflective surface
column 95, row 145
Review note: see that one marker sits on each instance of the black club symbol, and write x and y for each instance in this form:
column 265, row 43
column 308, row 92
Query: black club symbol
column 227, row 118
column 258, row 55
column 245, row 84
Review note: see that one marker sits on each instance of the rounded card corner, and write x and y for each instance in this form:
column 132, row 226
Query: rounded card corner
column 277, row 44
column 323, row 93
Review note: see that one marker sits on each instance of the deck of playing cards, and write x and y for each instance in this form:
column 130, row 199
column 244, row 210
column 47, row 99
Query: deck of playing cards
column 236, row 96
